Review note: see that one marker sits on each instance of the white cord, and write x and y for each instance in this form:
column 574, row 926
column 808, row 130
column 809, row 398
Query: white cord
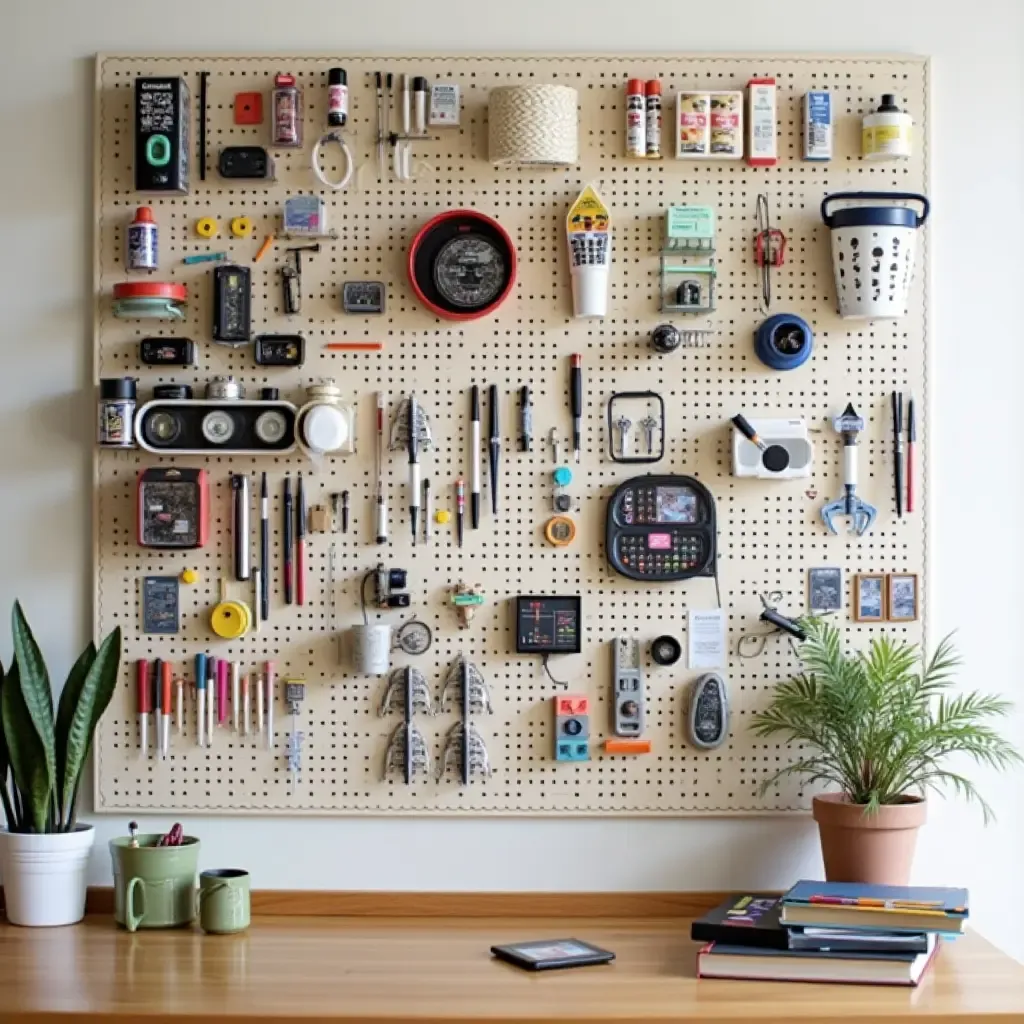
column 337, row 137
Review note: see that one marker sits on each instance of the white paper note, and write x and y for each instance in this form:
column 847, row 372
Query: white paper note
column 706, row 636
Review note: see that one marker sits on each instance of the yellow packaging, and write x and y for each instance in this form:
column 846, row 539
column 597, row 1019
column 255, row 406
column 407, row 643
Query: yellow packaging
column 693, row 124
column 709, row 125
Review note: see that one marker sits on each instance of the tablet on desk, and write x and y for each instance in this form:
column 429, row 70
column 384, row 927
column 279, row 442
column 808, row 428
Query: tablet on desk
column 550, row 954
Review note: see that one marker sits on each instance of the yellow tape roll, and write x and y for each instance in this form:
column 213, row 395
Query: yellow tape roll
column 560, row 531
column 241, row 227
column 206, row 227
column 230, row 619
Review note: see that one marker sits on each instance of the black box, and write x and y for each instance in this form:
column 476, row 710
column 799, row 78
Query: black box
column 161, row 135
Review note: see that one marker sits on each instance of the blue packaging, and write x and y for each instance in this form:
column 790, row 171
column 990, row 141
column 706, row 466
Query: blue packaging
column 817, row 126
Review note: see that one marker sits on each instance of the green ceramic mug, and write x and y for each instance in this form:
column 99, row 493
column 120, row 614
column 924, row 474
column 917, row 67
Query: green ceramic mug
column 224, row 901
column 154, row 886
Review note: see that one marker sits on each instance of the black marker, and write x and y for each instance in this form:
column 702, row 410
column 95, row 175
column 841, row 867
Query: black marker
column 474, row 440
column 495, row 444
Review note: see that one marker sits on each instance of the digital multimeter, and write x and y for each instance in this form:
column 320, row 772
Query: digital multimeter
column 661, row 528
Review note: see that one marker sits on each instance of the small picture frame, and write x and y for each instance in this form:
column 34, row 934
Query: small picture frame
column 869, row 593
column 825, row 590
column 902, row 594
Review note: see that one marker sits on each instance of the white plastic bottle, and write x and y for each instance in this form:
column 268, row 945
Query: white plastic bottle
column 885, row 134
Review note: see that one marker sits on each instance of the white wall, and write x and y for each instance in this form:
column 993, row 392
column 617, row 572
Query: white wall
column 978, row 236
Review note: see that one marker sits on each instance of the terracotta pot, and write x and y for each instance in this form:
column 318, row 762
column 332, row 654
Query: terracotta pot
column 875, row 848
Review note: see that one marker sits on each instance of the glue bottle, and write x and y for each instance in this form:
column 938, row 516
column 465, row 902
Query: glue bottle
column 885, row 134
column 140, row 249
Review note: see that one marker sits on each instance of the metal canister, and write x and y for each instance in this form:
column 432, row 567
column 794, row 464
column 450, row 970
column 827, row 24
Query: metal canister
column 225, row 389
column 116, row 413
column 140, row 251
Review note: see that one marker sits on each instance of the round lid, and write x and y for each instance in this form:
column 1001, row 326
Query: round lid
column 144, row 215
column 172, row 392
column 653, row 87
column 888, row 105
column 337, row 76
column 562, row 476
column 874, row 216
column 118, row 387
column 151, row 290
column 324, row 428
column 635, row 87
column 223, row 388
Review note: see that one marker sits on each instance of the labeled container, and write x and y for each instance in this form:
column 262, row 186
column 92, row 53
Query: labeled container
column 116, row 412
column 873, row 250
column 337, row 97
column 817, row 126
column 286, row 106
column 652, row 95
column 886, row 133
column 140, row 248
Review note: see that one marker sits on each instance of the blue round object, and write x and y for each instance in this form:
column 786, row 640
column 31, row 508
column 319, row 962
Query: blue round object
column 784, row 341
column 563, row 476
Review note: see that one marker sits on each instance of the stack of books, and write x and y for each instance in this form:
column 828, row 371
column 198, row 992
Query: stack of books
column 830, row 931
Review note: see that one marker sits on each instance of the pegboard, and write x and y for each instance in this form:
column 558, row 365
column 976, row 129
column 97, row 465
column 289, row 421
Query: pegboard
column 769, row 533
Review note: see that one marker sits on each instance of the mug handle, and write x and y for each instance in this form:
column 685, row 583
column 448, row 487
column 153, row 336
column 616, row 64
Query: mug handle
column 131, row 921
column 202, row 893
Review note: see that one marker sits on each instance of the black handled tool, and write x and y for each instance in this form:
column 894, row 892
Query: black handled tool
column 576, row 397
column 264, row 549
column 240, row 516
column 494, row 444
column 287, row 539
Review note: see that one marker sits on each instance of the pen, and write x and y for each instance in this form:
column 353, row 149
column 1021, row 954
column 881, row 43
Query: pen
column 236, row 670
column 414, row 468
column 268, row 675
column 525, row 418
column 246, row 707
column 257, row 683
column 495, row 444
column 897, row 455
column 240, row 518
column 426, row 510
column 264, row 549
column 179, row 705
column 289, row 515
column 576, row 397
column 460, row 509
column 300, row 543
column 382, row 501
column 474, row 442
column 143, row 696
column 200, row 698
column 211, row 697
column 158, row 706
column 223, row 667
column 911, row 446
column 165, row 694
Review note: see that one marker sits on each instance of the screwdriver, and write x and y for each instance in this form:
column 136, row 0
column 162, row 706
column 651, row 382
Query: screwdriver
column 576, row 397
column 158, row 706
column 494, row 443
column 525, row 418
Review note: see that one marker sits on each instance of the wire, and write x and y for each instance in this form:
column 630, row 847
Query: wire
column 362, row 595
column 557, row 682
column 764, row 232
column 337, row 137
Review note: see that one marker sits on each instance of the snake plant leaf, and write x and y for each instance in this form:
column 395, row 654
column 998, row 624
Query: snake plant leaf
column 70, row 697
column 28, row 759
column 35, row 691
column 97, row 690
column 5, row 764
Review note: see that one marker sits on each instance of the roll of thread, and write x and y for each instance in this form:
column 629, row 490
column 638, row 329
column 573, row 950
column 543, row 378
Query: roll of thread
column 533, row 124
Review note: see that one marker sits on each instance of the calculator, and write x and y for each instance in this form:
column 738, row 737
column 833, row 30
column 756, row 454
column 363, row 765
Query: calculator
column 660, row 529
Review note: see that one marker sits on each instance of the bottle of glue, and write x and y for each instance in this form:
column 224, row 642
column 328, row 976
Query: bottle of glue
column 140, row 250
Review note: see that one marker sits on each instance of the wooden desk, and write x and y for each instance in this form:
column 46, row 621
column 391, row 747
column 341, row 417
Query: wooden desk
column 431, row 970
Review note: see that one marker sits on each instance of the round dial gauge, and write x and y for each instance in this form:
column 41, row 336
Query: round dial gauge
column 470, row 271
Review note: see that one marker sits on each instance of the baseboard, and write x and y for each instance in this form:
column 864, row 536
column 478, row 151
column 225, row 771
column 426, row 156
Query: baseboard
column 335, row 903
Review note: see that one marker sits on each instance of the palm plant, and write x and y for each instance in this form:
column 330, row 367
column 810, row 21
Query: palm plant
column 881, row 724
column 42, row 757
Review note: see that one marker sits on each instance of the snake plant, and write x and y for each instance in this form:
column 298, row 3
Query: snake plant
column 42, row 756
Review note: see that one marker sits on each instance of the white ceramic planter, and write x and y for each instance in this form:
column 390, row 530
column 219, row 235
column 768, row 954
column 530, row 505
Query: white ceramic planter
column 44, row 876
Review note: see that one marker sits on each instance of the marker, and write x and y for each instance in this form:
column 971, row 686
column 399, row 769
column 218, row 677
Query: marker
column 460, row 509
column 576, row 397
column 158, row 706
column 268, row 675
column 300, row 545
column 143, row 696
column 525, row 419
column 179, row 705
column 289, row 515
column 211, row 697
column 426, row 511
column 165, row 694
column 257, row 682
column 246, row 707
column 236, row 670
column 897, row 450
column 264, row 594
column 414, row 468
column 382, row 500
column 200, row 699
column 494, row 444
column 474, row 441
column 223, row 666
column 911, row 446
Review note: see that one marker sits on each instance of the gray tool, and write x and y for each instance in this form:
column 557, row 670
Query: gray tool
column 556, row 446
column 628, row 681
column 648, row 424
column 464, row 680
column 403, row 682
column 407, row 748
column 861, row 514
column 464, row 746
column 708, row 718
column 623, row 423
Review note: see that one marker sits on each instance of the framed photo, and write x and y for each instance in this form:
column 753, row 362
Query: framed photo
column 902, row 595
column 869, row 598
column 825, row 586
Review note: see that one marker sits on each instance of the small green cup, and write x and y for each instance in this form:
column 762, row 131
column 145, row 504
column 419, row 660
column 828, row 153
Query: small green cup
column 154, row 886
column 224, row 901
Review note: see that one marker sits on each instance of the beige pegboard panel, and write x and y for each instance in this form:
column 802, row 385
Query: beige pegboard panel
column 769, row 533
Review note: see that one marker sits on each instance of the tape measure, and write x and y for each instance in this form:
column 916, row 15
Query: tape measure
column 230, row 619
column 560, row 531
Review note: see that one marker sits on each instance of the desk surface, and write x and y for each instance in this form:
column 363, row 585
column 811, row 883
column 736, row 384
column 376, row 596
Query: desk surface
column 424, row 971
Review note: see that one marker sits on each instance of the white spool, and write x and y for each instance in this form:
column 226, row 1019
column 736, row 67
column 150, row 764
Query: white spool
column 533, row 124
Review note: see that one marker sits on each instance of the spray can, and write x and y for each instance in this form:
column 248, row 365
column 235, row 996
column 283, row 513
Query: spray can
column 116, row 413
column 636, row 119
column 337, row 97
column 286, row 128
column 652, row 93
column 140, row 249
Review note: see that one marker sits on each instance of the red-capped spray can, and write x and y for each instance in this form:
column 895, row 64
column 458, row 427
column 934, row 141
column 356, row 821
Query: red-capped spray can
column 140, row 241
column 286, row 128
column 652, row 93
column 636, row 119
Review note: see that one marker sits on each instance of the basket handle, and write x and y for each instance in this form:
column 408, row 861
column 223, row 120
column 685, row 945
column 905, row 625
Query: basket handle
column 890, row 196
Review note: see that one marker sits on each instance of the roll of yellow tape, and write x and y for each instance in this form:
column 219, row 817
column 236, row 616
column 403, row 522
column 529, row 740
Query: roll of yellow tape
column 241, row 227
column 230, row 619
column 206, row 227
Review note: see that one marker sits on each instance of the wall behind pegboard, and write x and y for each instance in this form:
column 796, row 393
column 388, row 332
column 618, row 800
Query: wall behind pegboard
column 769, row 532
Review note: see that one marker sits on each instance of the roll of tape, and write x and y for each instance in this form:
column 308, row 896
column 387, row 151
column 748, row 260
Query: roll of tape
column 560, row 531
column 533, row 124
column 230, row 619
column 241, row 227
column 206, row 227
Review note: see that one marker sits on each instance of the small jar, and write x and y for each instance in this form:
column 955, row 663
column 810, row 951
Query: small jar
column 326, row 424
column 224, row 389
column 116, row 413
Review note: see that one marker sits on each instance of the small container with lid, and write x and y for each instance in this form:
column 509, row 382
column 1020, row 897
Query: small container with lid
column 140, row 241
column 286, row 106
column 116, row 412
column 885, row 134
column 326, row 424
column 337, row 97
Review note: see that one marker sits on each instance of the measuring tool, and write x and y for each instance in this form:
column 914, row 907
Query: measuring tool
column 708, row 718
column 363, row 297
column 849, row 424
column 628, row 710
column 661, row 528
column 232, row 305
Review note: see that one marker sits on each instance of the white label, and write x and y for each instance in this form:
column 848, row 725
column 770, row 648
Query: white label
column 444, row 104
column 706, row 638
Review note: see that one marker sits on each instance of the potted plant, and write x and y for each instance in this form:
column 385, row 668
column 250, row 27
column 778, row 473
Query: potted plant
column 43, row 850
column 881, row 726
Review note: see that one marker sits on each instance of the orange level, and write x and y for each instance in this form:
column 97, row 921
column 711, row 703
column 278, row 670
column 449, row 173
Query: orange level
column 627, row 746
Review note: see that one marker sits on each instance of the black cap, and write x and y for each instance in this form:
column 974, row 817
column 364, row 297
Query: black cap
column 117, row 387
column 419, row 84
column 337, row 76
column 172, row 392
column 888, row 104
column 269, row 394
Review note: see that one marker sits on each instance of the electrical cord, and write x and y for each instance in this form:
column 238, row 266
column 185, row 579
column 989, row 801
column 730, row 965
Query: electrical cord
column 362, row 595
column 557, row 682
column 337, row 137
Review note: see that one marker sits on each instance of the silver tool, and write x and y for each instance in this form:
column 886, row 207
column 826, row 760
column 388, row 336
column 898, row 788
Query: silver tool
column 464, row 680
column 464, row 745
column 648, row 424
column 623, row 424
column 628, row 682
column 381, row 518
column 556, row 446
column 407, row 748
column 849, row 424
column 403, row 683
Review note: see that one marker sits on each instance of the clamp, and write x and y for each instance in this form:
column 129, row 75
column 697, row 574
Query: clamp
column 861, row 514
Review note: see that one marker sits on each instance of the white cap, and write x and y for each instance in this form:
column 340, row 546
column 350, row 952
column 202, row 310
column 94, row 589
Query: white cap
column 589, row 291
column 325, row 429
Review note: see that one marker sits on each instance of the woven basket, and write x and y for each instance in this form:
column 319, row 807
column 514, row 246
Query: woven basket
column 533, row 124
